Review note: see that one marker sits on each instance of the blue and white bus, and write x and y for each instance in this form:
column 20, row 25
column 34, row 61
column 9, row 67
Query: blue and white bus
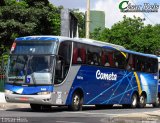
column 47, row 71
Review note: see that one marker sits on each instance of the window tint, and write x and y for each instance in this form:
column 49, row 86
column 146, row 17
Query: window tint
column 130, row 64
column 107, row 58
column 65, row 51
column 141, row 63
column 113, row 58
column 63, row 61
column 86, row 54
column 119, row 60
column 79, row 54
column 93, row 55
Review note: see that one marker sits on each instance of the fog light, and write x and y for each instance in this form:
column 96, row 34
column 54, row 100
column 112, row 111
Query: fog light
column 43, row 93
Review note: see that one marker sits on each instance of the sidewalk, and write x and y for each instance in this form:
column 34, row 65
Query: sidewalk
column 2, row 98
column 4, row 105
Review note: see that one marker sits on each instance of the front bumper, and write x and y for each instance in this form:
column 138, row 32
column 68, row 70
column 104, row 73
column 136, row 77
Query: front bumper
column 35, row 99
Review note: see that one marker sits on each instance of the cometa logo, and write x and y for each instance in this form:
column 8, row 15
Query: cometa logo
column 106, row 76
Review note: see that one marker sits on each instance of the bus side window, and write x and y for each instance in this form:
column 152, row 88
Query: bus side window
column 63, row 61
column 103, row 58
column 90, row 58
column 110, row 59
column 129, row 62
column 138, row 63
column 107, row 62
column 75, row 55
column 96, row 59
column 148, row 67
column 59, row 65
column 79, row 54
column 83, row 55
column 79, row 58
column 154, row 65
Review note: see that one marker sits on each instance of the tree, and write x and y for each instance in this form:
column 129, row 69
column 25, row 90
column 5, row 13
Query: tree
column 24, row 18
column 132, row 34
column 81, row 22
column 21, row 19
column 101, row 35
column 36, row 3
column 122, row 33
column 148, row 41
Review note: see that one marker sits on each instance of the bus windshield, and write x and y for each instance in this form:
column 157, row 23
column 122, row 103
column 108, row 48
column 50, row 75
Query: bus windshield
column 23, row 66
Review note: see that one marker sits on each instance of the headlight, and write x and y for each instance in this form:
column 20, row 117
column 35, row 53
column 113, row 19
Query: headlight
column 43, row 93
column 8, row 92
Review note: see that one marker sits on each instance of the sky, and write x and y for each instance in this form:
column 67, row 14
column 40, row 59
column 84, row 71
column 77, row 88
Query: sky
column 111, row 9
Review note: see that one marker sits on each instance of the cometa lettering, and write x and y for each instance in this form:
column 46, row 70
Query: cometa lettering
column 105, row 76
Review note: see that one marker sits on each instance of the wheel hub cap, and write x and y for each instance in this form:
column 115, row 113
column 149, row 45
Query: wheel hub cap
column 76, row 100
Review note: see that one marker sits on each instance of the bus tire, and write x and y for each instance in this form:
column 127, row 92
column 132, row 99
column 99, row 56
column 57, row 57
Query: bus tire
column 134, row 101
column 156, row 104
column 142, row 101
column 77, row 102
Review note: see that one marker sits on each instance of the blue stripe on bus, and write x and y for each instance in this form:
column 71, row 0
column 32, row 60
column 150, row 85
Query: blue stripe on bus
column 29, row 38
column 27, row 90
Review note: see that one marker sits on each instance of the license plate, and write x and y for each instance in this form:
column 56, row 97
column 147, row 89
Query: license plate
column 24, row 99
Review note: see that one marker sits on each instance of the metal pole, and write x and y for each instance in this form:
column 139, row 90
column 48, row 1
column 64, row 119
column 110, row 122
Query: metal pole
column 88, row 19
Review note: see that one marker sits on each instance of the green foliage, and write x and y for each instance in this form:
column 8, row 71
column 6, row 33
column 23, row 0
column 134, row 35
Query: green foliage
column 81, row 23
column 132, row 34
column 4, row 61
column 27, row 17
column 37, row 3
column 38, row 17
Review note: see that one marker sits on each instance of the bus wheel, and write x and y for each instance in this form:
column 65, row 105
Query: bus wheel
column 77, row 102
column 142, row 101
column 36, row 107
column 156, row 104
column 134, row 101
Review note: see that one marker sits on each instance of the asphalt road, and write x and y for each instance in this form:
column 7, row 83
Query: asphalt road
column 89, row 115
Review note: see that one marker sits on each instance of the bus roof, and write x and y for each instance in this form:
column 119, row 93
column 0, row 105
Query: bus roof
column 85, row 41
column 138, row 53
column 40, row 38
column 61, row 38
